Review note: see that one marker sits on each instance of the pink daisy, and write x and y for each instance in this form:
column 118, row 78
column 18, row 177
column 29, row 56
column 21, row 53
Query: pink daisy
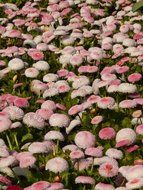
column 132, row 148
column 35, row 54
column 135, row 183
column 127, row 104
column 94, row 151
column 84, row 139
column 96, row 120
column 44, row 113
column 76, row 154
column 125, row 136
column 25, row 159
column 108, row 169
column 57, row 165
column 105, row 186
column 87, row 69
column 139, row 101
column 75, row 109
column 134, row 77
column 107, row 133
column 38, row 185
column 85, row 180
column 139, row 129
column 105, row 102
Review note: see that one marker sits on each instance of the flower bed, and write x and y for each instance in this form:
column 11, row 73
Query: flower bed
column 71, row 95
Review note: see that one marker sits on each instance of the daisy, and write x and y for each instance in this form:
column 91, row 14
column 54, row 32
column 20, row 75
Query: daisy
column 80, row 81
column 108, row 169
column 35, row 54
column 48, row 104
column 93, row 99
column 75, row 109
column 125, row 136
column 21, row 102
column 32, row 119
column 94, row 151
column 96, row 120
column 53, row 91
column 134, row 183
column 39, row 185
column 8, row 161
column 41, row 65
column 54, row 135
column 139, row 129
column 127, row 88
column 87, row 69
column 83, row 164
column 50, row 77
column 57, row 165
column 14, row 112
column 76, row 154
column 4, row 151
column 59, row 120
column 38, row 147
column 114, row 153
column 134, row 77
column 16, row 64
column 101, row 186
column 107, row 133
column 132, row 148
column 127, row 104
column 42, row 47
column 108, row 77
column 31, row 72
column 84, row 139
column 5, row 124
column 105, row 102
column 70, row 147
column 96, row 53
column 76, row 60
column 25, row 159
column 112, row 88
column 137, row 113
column 134, row 172
column 44, row 113
column 104, row 159
column 38, row 87
column 16, row 125
column 129, row 42
column 85, row 180
column 72, row 125
column 139, row 101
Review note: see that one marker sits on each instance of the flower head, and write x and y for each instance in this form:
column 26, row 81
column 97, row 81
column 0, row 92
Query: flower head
column 84, row 139
column 57, row 165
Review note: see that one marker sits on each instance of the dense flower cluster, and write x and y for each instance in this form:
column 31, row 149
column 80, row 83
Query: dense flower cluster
column 71, row 95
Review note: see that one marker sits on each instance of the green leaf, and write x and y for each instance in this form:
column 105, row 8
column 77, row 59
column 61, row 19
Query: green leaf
column 138, row 5
column 28, row 136
column 126, row 122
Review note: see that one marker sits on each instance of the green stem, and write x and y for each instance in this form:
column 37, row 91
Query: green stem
column 92, row 167
column 9, row 143
column 66, row 178
column 54, row 151
column 84, row 188
column 16, row 141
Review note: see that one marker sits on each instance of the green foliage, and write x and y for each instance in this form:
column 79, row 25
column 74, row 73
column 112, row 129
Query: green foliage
column 26, row 137
column 138, row 6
